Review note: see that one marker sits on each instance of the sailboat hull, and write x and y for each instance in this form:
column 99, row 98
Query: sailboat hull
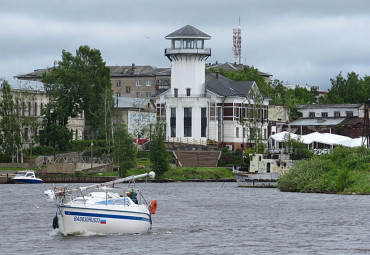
column 104, row 219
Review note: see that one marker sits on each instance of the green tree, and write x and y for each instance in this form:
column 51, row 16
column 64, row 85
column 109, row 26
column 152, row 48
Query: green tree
column 81, row 85
column 350, row 90
column 11, row 142
column 124, row 149
column 158, row 153
column 291, row 98
column 55, row 132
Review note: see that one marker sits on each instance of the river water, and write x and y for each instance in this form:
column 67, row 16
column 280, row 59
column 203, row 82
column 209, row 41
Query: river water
column 199, row 218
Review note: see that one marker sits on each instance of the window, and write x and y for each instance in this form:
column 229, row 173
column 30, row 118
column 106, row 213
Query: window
column 138, row 83
column 187, row 122
column 188, row 92
column 137, row 94
column 203, row 122
column 324, row 114
column 177, row 44
column 349, row 114
column 337, row 114
column 188, row 44
column 26, row 132
column 148, row 94
column 128, row 89
column 311, row 114
column 118, row 94
column 176, row 92
column 237, row 132
column 29, row 108
column 118, row 83
column 173, row 122
column 200, row 44
column 148, row 82
column 41, row 108
column 35, row 109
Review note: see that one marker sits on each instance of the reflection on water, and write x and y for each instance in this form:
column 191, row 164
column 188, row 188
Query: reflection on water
column 199, row 218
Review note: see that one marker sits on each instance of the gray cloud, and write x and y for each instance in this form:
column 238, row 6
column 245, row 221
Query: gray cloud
column 301, row 42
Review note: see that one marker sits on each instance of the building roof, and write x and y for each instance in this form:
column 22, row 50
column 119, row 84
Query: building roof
column 223, row 86
column 25, row 85
column 133, row 70
column 188, row 32
column 317, row 122
column 116, row 71
column 229, row 67
column 327, row 106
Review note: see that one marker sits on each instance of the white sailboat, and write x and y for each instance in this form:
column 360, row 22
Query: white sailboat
column 102, row 209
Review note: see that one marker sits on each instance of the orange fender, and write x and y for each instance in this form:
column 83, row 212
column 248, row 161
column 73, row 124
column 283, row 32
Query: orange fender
column 153, row 206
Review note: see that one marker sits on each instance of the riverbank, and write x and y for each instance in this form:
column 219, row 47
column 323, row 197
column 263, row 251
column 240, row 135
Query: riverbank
column 6, row 179
column 345, row 171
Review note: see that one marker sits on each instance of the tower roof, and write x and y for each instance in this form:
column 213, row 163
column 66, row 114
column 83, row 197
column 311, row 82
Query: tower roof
column 188, row 32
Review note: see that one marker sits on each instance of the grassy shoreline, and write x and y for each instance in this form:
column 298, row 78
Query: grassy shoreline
column 345, row 171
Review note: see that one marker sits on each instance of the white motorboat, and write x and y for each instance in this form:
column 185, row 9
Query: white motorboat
column 101, row 209
column 264, row 170
column 26, row 176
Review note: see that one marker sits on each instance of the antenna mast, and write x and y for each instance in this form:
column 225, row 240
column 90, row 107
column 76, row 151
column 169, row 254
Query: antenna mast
column 237, row 43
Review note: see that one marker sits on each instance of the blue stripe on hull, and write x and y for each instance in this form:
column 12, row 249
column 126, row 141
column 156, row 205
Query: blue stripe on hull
column 125, row 217
column 27, row 181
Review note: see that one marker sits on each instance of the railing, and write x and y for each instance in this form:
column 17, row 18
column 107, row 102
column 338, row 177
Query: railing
column 186, row 140
column 205, row 51
column 186, row 96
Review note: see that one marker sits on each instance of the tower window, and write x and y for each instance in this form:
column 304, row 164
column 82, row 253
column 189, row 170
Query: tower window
column 187, row 122
column 188, row 44
column 177, row 44
column 200, row 44
column 173, row 122
column 203, row 122
column 188, row 92
column 176, row 92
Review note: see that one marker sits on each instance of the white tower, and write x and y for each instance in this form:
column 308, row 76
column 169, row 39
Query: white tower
column 184, row 107
column 188, row 56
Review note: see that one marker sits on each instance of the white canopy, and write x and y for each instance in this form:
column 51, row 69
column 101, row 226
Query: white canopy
column 355, row 142
column 325, row 138
column 284, row 136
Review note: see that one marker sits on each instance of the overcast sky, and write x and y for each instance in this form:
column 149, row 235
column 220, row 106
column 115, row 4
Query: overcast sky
column 296, row 41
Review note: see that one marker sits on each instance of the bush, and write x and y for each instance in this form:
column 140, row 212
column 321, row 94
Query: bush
column 346, row 170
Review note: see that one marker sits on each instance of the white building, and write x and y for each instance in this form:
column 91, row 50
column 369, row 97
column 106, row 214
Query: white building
column 198, row 107
column 33, row 99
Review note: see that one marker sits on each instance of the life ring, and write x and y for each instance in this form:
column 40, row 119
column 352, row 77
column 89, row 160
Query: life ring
column 59, row 191
column 153, row 206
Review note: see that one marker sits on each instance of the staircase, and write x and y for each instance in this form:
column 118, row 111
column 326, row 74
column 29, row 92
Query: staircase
column 197, row 158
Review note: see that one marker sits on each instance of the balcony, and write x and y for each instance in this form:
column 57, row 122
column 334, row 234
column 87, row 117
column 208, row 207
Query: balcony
column 171, row 51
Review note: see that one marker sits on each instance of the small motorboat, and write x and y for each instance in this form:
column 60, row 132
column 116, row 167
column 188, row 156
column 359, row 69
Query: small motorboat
column 102, row 209
column 26, row 176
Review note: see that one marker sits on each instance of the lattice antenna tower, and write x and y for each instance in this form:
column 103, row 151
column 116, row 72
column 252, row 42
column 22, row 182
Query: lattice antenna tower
column 237, row 43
